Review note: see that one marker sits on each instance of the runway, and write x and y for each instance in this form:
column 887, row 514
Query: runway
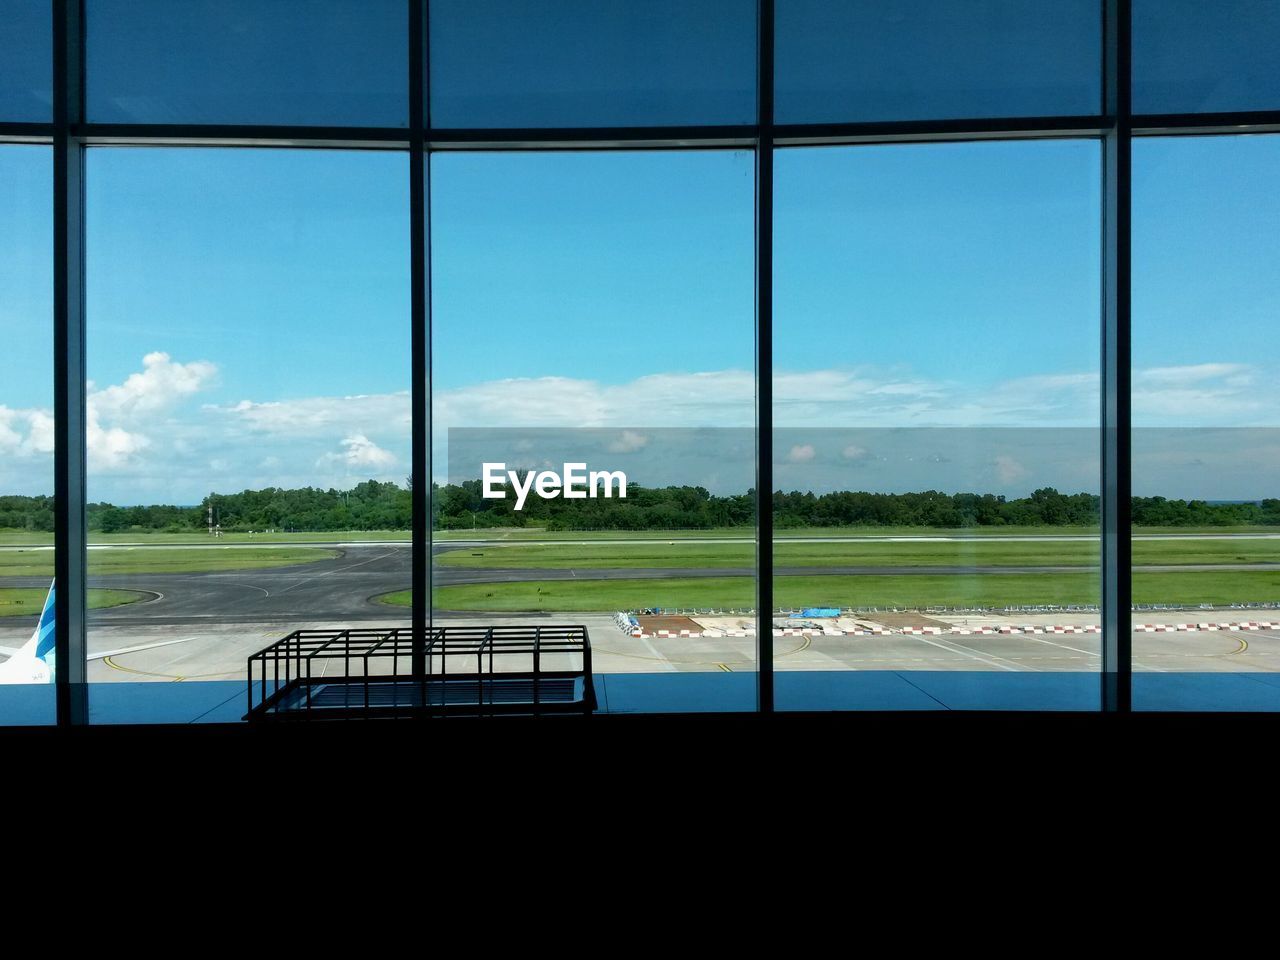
column 343, row 589
column 203, row 626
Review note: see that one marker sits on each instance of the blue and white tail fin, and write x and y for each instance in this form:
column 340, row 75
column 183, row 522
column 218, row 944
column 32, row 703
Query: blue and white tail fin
column 34, row 662
column 46, row 633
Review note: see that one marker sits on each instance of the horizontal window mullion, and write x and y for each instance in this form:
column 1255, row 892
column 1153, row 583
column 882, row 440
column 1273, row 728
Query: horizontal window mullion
column 1255, row 121
column 241, row 135
column 26, row 132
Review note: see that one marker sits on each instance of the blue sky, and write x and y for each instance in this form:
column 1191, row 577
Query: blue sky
column 249, row 313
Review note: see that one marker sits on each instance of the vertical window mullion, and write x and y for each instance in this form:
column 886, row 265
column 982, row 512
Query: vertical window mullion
column 764, row 358
column 420, row 339
column 1117, row 550
column 69, row 369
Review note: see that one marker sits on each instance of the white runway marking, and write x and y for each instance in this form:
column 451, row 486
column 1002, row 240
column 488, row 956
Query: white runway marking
column 973, row 654
column 330, row 573
column 671, row 667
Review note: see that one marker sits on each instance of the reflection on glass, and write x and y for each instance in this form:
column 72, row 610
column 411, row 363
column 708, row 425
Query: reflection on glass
column 318, row 62
column 597, row 308
column 935, row 407
column 936, row 59
column 26, row 432
column 249, row 416
column 521, row 63
column 1206, row 449
column 26, row 58
column 1192, row 56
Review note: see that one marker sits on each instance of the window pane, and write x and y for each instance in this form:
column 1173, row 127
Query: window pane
column 1206, row 451
column 936, row 409
column 26, row 61
column 26, row 433
column 597, row 308
column 936, row 59
column 248, row 327
column 321, row 62
column 1191, row 56
column 522, row 63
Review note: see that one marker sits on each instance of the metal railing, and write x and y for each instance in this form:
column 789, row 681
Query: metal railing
column 312, row 674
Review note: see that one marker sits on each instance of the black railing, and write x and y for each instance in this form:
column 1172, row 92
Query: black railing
column 469, row 671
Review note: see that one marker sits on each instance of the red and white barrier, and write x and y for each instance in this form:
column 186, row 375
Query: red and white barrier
column 1005, row 630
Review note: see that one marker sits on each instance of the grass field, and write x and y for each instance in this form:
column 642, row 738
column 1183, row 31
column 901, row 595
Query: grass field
column 748, row 533
column 874, row 591
column 15, row 602
column 128, row 560
column 506, row 535
column 196, row 538
column 650, row 553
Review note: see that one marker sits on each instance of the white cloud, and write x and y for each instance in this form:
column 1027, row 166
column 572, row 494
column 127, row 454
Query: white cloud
column 148, row 434
column 40, row 435
column 160, row 385
column 1193, row 373
column 10, row 439
column 723, row 398
column 1009, row 470
column 118, row 415
column 629, row 442
column 321, row 416
column 25, row 433
column 1206, row 394
column 360, row 451
column 111, row 448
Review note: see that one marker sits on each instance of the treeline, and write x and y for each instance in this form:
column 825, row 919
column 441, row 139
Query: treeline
column 461, row 506
column 685, row 508
column 26, row 513
column 367, row 506
column 388, row 506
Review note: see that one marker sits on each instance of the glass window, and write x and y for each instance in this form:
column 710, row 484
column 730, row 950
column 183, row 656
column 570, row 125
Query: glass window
column 936, row 408
column 597, row 308
column 1206, row 449
column 249, row 414
column 936, row 59
column 26, row 61
column 26, row 435
column 589, row 63
column 1190, row 56
column 306, row 62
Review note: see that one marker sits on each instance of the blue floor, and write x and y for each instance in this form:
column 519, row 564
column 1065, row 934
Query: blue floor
column 28, row 705
column 204, row 701
column 850, row 690
column 636, row 693
column 1231, row 692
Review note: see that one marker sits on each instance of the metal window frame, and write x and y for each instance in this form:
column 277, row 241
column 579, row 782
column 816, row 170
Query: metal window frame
column 1116, row 359
column 1115, row 127
column 70, row 420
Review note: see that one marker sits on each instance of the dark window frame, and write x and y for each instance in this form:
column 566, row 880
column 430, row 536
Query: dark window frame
column 1114, row 128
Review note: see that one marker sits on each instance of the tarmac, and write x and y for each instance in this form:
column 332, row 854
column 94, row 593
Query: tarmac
column 210, row 623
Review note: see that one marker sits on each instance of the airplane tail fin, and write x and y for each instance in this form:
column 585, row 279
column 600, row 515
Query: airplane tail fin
column 46, row 631
column 34, row 663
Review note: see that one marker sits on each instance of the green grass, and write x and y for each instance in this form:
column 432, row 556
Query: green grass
column 197, row 538
column 877, row 591
column 129, row 560
column 739, row 592
column 19, row 602
column 582, row 556
column 747, row 533
column 517, row 534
